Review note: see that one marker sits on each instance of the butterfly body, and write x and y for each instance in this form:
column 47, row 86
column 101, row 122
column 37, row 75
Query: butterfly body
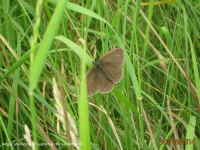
column 97, row 65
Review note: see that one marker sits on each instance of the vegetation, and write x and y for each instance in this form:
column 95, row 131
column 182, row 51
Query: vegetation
column 48, row 46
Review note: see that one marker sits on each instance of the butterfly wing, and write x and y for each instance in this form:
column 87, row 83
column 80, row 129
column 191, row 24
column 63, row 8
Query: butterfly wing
column 114, row 57
column 115, row 73
column 105, row 85
column 110, row 63
column 92, row 81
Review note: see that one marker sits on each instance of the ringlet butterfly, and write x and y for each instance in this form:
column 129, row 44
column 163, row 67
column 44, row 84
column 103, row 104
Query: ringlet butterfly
column 106, row 72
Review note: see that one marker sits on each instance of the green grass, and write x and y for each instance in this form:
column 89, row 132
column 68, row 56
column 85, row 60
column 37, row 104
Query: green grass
column 47, row 48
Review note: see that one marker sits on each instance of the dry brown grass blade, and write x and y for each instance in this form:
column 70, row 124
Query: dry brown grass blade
column 16, row 97
column 5, row 55
column 46, row 137
column 10, row 49
column 99, row 129
column 173, row 124
column 149, row 128
column 192, row 90
column 113, row 127
column 65, row 112
column 159, row 2
column 160, row 56
column 111, row 123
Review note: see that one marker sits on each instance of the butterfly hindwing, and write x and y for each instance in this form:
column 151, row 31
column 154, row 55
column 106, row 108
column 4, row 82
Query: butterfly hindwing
column 92, row 81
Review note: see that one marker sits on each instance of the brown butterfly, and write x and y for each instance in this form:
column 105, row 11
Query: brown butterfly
column 106, row 72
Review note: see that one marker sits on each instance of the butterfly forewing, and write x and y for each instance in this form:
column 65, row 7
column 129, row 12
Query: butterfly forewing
column 92, row 81
column 115, row 73
column 114, row 57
